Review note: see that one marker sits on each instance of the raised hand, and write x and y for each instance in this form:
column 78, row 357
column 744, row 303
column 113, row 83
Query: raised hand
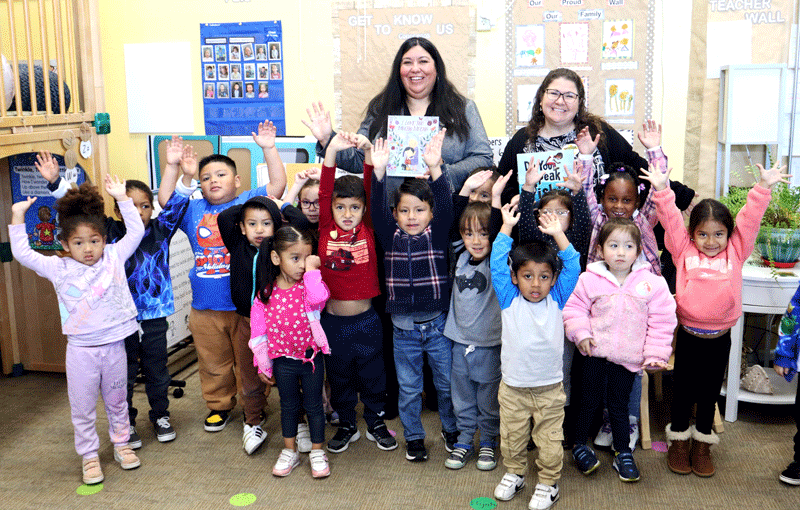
column 380, row 158
column 360, row 141
column 433, row 151
column 773, row 176
column 174, row 150
column 656, row 176
column 650, row 135
column 18, row 210
column 341, row 141
column 532, row 175
column 573, row 180
column 586, row 144
column 314, row 172
column 497, row 189
column 47, row 166
column 475, row 181
column 265, row 138
column 549, row 224
column 510, row 215
column 189, row 161
column 319, row 122
column 116, row 187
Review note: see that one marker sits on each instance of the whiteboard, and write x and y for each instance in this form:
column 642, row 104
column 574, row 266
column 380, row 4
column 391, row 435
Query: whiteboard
column 158, row 81
column 753, row 104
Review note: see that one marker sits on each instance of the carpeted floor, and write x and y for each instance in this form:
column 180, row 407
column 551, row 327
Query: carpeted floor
column 40, row 469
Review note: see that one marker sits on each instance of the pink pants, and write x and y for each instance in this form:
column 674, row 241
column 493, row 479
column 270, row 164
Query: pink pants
column 90, row 369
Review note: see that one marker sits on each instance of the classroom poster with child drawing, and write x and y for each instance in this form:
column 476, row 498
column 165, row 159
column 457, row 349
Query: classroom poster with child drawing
column 41, row 221
column 238, row 91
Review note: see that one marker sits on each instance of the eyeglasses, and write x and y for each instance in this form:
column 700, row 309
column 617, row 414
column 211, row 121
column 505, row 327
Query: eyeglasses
column 553, row 95
column 558, row 212
column 309, row 205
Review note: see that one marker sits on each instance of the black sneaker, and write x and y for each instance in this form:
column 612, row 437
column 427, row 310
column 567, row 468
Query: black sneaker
column 450, row 440
column 344, row 436
column 585, row 459
column 415, row 450
column 164, row 431
column 135, row 442
column 625, row 466
column 791, row 474
column 216, row 420
column 380, row 434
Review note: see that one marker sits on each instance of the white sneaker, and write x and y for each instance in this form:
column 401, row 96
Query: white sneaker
column 303, row 438
column 544, row 496
column 634, row 431
column 252, row 438
column 604, row 438
column 287, row 461
column 319, row 464
column 509, row 486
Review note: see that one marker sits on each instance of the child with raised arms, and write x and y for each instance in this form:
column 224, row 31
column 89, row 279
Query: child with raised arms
column 285, row 344
column 709, row 256
column 350, row 269
column 621, row 316
column 414, row 236
column 97, row 312
column 531, row 295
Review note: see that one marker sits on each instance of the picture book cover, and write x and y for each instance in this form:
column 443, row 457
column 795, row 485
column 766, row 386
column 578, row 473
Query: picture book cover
column 551, row 165
column 407, row 138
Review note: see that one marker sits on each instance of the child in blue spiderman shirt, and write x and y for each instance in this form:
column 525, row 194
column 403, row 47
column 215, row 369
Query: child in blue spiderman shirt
column 787, row 361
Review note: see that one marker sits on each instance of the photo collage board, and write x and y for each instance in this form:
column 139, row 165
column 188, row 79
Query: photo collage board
column 608, row 43
column 242, row 70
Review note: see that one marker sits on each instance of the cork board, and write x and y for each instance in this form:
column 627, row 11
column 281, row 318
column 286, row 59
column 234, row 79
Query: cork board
column 368, row 39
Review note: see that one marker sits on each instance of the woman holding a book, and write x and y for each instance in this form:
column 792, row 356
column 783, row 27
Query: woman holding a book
column 417, row 86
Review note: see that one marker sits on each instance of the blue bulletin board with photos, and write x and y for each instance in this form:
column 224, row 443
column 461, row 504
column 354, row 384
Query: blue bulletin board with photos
column 41, row 220
column 242, row 75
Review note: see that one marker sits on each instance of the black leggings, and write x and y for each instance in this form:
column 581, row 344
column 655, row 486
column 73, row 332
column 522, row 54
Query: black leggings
column 697, row 378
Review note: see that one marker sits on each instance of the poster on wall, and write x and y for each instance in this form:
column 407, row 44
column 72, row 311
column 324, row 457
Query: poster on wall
column 41, row 220
column 242, row 71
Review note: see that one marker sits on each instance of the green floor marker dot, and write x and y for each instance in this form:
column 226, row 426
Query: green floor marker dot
column 88, row 490
column 483, row 504
column 243, row 499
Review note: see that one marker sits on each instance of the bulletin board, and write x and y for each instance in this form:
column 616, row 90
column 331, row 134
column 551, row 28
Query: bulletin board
column 608, row 43
column 368, row 39
column 242, row 69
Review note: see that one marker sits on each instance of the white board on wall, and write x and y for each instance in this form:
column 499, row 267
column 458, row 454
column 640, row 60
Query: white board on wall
column 158, row 79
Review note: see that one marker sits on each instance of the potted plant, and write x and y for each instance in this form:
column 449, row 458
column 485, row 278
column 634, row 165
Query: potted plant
column 778, row 240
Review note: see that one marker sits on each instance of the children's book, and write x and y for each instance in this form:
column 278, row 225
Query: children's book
column 551, row 164
column 407, row 138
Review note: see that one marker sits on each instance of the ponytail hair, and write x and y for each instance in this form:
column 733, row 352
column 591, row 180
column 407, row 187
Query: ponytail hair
column 266, row 271
column 624, row 172
column 81, row 206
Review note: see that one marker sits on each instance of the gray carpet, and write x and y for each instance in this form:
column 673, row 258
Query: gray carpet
column 40, row 469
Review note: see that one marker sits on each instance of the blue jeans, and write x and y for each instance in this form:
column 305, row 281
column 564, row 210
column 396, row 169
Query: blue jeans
column 290, row 375
column 409, row 345
column 149, row 353
column 475, row 382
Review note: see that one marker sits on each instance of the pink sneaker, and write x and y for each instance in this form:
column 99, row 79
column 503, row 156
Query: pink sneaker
column 126, row 458
column 287, row 461
column 319, row 464
column 92, row 472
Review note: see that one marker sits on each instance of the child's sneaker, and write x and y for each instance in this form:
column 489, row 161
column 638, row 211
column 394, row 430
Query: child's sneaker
column 544, row 496
column 633, row 431
column 459, row 456
column 509, row 486
column 346, row 434
column 604, row 438
column 319, row 464
column 380, row 434
column 216, row 420
column 92, row 472
column 791, row 474
column 450, row 439
column 287, row 461
column 164, row 431
column 134, row 441
column 252, row 438
column 626, row 467
column 303, row 438
column 585, row 459
column 487, row 457
column 126, row 458
column 415, row 450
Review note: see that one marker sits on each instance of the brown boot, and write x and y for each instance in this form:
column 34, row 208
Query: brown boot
column 702, row 465
column 678, row 455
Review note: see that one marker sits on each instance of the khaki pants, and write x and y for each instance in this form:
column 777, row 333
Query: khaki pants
column 545, row 405
column 216, row 339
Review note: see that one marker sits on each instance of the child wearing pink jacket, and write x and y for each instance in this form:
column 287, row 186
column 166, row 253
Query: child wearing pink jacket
column 622, row 317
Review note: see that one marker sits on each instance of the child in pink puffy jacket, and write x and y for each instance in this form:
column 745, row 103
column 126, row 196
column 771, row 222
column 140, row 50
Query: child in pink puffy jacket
column 622, row 317
column 286, row 337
